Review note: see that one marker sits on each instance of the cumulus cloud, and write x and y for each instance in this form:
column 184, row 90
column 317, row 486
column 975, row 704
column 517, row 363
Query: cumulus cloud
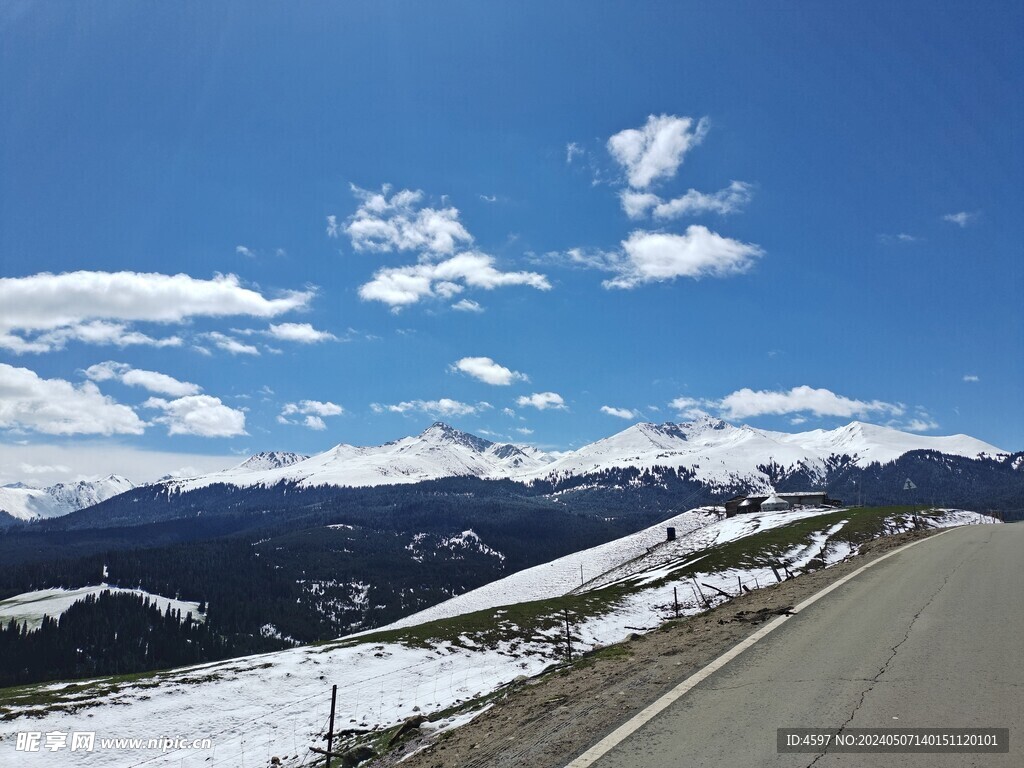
column 658, row 256
column 96, row 307
column 441, row 407
column 160, row 383
column 230, row 344
column 970, row 377
column 313, row 410
column 486, row 370
column 961, row 218
column 303, row 333
column 622, row 413
column 543, row 401
column 724, row 201
column 656, row 150
column 398, row 223
column 58, row 407
column 242, row 250
column 98, row 332
column 524, row 430
column 467, row 305
column 638, row 204
column 200, row 415
column 747, row 403
column 402, row 286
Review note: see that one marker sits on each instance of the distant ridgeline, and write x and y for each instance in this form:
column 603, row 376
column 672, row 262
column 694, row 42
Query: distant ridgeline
column 284, row 564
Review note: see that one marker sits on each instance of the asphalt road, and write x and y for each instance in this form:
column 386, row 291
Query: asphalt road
column 932, row 637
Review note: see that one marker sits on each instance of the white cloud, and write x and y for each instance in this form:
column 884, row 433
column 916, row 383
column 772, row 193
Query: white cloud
column 441, row 407
column 242, row 250
column 467, row 305
column 622, row 413
column 397, row 223
column 901, row 237
column 160, row 383
column 58, row 407
column 315, row 408
column 229, row 344
column 524, row 430
column 315, row 423
column 802, row 402
column 95, row 307
column 508, row 412
column 724, row 201
column 486, row 370
column 638, row 204
column 920, row 423
column 971, row 377
column 489, row 198
column 746, row 403
column 572, row 151
column 97, row 332
column 200, row 415
column 657, row 149
column 403, row 286
column 333, row 229
column 542, row 401
column 657, row 256
column 92, row 458
column 303, row 333
column 961, row 218
column 43, row 469
column 691, row 408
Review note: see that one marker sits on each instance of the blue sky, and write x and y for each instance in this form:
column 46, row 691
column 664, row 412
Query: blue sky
column 307, row 215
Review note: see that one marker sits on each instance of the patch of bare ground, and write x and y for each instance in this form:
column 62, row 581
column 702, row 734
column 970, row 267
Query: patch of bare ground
column 546, row 721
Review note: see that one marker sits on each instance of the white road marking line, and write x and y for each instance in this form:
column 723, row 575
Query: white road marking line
column 640, row 719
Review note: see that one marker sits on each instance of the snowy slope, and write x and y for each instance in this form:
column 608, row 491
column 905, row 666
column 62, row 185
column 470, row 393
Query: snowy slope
column 440, row 451
column 30, row 607
column 720, row 453
column 277, row 704
column 27, row 503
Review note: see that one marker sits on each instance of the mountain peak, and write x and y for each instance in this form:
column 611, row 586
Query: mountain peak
column 270, row 460
column 445, row 434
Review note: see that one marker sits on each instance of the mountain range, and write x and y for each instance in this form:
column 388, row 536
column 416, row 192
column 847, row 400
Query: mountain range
column 713, row 452
column 716, row 452
column 26, row 503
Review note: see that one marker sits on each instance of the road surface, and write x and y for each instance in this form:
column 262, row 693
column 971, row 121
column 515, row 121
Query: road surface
column 931, row 637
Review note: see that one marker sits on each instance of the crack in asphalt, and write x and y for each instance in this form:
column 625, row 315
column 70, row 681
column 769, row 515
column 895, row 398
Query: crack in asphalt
column 895, row 649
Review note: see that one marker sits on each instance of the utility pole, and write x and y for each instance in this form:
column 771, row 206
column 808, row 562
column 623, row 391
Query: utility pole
column 675, row 599
column 568, row 636
column 330, row 731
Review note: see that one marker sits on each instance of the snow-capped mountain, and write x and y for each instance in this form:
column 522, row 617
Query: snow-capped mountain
column 440, row 451
column 270, row 460
column 26, row 503
column 721, row 454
